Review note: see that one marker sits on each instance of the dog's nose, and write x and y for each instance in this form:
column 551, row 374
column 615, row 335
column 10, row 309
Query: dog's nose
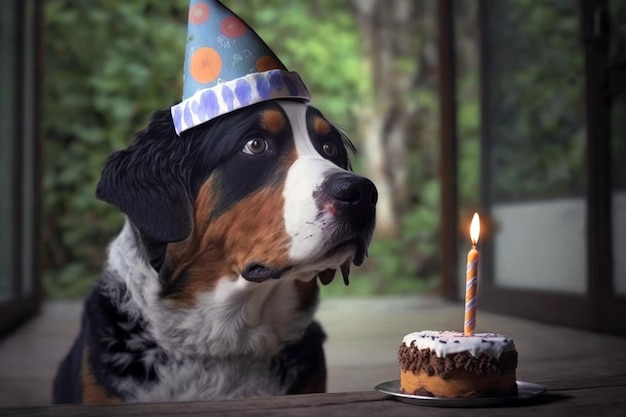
column 350, row 189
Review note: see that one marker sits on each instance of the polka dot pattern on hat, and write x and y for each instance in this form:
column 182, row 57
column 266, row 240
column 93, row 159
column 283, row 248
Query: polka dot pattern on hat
column 227, row 66
column 225, row 97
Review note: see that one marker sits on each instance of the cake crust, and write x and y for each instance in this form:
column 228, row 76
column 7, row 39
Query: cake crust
column 461, row 385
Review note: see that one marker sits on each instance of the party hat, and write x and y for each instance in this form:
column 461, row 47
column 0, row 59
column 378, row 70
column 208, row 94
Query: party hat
column 227, row 67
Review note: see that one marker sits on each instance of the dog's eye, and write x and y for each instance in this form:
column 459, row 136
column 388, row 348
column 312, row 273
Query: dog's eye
column 255, row 146
column 330, row 149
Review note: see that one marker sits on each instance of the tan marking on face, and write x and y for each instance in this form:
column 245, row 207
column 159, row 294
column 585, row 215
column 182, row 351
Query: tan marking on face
column 204, row 264
column 93, row 392
column 273, row 121
column 255, row 230
column 252, row 230
column 321, row 126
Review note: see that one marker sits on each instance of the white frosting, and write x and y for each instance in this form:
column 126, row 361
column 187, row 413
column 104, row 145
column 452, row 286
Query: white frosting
column 444, row 343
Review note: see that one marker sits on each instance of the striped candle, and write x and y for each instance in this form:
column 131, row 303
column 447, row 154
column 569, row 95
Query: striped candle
column 471, row 279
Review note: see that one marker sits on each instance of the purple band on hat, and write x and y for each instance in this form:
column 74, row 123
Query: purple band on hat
column 222, row 98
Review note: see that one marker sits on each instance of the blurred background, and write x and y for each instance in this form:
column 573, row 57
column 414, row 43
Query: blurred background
column 374, row 69
column 513, row 108
column 110, row 64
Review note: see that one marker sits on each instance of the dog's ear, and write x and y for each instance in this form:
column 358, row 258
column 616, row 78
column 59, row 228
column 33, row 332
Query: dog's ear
column 148, row 183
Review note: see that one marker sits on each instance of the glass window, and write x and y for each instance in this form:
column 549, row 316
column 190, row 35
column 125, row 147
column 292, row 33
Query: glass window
column 19, row 150
column 536, row 128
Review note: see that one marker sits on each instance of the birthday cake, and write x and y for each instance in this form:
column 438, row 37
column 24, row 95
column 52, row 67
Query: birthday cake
column 452, row 365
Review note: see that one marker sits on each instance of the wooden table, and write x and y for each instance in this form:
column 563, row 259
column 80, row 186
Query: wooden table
column 585, row 372
column 586, row 396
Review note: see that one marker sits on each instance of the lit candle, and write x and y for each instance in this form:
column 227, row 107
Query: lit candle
column 471, row 281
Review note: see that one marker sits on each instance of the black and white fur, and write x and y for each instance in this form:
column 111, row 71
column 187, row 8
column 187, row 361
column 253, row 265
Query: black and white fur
column 199, row 299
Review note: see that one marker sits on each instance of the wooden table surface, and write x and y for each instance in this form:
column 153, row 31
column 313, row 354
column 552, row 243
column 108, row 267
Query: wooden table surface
column 586, row 396
column 584, row 372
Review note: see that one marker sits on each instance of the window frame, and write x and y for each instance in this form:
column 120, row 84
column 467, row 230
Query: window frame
column 25, row 114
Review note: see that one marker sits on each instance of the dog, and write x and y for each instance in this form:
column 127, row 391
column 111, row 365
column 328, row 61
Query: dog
column 210, row 289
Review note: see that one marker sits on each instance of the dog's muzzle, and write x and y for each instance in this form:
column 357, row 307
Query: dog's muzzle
column 346, row 217
column 351, row 201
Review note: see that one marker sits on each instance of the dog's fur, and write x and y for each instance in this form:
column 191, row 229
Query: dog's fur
column 210, row 289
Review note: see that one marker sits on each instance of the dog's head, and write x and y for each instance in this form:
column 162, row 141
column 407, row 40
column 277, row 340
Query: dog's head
column 261, row 193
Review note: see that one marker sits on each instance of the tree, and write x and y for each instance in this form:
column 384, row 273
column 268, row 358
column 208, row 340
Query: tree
column 386, row 31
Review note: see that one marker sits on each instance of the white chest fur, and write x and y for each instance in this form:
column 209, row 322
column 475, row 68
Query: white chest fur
column 222, row 347
column 210, row 379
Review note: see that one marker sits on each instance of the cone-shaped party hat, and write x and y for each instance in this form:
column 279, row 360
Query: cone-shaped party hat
column 227, row 67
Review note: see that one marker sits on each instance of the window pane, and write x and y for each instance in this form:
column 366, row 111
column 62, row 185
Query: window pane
column 618, row 147
column 536, row 125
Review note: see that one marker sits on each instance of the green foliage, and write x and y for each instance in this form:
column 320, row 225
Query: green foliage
column 535, row 94
column 319, row 40
column 408, row 264
column 469, row 145
column 109, row 64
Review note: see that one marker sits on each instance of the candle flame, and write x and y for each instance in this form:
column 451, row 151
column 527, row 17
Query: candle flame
column 475, row 229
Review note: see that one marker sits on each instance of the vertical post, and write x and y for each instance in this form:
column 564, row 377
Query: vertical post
column 487, row 277
column 595, row 31
column 25, row 74
column 448, row 155
column 17, row 193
